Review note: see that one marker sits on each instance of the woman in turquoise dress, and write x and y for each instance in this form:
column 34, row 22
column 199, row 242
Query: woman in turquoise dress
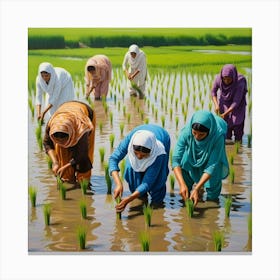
column 199, row 159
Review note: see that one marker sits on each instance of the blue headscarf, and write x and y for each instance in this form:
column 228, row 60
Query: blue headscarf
column 198, row 152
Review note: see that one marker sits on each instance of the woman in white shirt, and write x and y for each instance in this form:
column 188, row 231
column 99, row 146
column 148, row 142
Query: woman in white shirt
column 135, row 68
column 58, row 85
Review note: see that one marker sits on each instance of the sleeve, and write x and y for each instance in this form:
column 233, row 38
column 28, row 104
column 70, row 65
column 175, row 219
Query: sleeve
column 125, row 61
column 215, row 156
column 239, row 94
column 119, row 153
column 151, row 175
column 39, row 92
column 215, row 86
column 55, row 94
column 179, row 149
column 80, row 160
column 47, row 142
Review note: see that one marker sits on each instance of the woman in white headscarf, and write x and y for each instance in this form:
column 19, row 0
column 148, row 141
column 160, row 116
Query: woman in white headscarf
column 147, row 147
column 135, row 68
column 58, row 85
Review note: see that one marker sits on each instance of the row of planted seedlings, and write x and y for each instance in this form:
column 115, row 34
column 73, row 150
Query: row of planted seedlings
column 160, row 89
column 81, row 229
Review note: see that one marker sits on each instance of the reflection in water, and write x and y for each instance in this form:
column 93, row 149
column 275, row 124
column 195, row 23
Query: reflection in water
column 171, row 230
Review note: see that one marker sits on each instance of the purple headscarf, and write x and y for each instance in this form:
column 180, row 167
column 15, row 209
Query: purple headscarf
column 227, row 91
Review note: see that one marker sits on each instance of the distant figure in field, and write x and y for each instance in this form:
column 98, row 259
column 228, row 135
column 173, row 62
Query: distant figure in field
column 135, row 68
column 69, row 141
column 231, row 101
column 199, row 159
column 147, row 147
column 57, row 83
column 98, row 74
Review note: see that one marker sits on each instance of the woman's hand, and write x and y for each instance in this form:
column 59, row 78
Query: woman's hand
column 195, row 196
column 55, row 167
column 118, row 191
column 121, row 206
column 62, row 169
column 184, row 192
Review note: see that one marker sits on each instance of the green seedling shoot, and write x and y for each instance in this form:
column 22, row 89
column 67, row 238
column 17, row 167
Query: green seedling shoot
column 189, row 207
column 83, row 208
column 218, row 238
column 147, row 210
column 47, row 213
column 108, row 178
column 145, row 241
column 84, row 185
column 228, row 203
column 32, row 195
column 118, row 200
column 102, row 154
column 172, row 181
column 81, row 234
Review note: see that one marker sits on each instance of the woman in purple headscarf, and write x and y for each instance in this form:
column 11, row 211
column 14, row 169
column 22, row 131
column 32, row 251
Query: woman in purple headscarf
column 229, row 97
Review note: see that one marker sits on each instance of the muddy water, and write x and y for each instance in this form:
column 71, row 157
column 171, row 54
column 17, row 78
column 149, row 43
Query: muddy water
column 171, row 230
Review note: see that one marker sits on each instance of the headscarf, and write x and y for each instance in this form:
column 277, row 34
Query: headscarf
column 101, row 63
column 72, row 120
column 134, row 62
column 148, row 140
column 229, row 70
column 47, row 67
column 198, row 152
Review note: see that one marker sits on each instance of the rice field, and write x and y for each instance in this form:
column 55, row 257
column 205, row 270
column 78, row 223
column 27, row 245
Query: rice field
column 173, row 93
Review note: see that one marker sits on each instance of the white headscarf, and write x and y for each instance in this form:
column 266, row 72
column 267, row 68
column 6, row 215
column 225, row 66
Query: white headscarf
column 148, row 140
column 47, row 67
column 135, row 62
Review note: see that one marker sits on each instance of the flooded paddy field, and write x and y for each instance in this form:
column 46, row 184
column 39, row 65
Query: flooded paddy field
column 171, row 98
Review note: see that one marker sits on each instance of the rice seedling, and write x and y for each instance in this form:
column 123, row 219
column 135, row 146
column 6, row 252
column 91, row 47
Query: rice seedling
column 81, row 234
column 236, row 147
column 106, row 108
column 62, row 191
column 142, row 115
column 111, row 118
column 59, row 182
column 39, row 135
column 148, row 211
column 119, row 214
column 102, row 154
column 128, row 117
column 119, row 105
column 162, row 118
column 189, row 207
column 108, row 178
column 121, row 128
column 156, row 114
column 176, row 122
column 218, row 238
column 84, row 185
column 231, row 175
column 146, row 121
column 249, row 137
column 124, row 111
column 231, row 159
column 172, row 181
column 100, row 126
column 31, row 107
column 47, row 213
column 176, row 103
column 112, row 140
column 249, row 223
column 145, row 241
column 228, row 203
column 83, row 208
column 32, row 195
column 49, row 162
column 134, row 86
column 171, row 113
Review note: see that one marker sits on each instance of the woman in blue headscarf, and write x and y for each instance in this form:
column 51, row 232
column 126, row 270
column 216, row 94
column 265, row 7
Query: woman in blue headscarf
column 199, row 159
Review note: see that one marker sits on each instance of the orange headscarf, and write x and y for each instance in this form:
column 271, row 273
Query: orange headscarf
column 72, row 119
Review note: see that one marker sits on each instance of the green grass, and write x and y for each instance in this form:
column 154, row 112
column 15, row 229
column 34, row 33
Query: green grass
column 83, row 208
column 47, row 213
column 102, row 154
column 84, row 185
column 145, row 241
column 172, row 181
column 228, row 203
column 189, row 207
column 108, row 178
column 119, row 214
column 32, row 195
column 81, row 235
column 148, row 211
column 218, row 238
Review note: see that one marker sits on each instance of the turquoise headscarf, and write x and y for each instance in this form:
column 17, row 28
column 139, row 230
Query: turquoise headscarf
column 198, row 152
